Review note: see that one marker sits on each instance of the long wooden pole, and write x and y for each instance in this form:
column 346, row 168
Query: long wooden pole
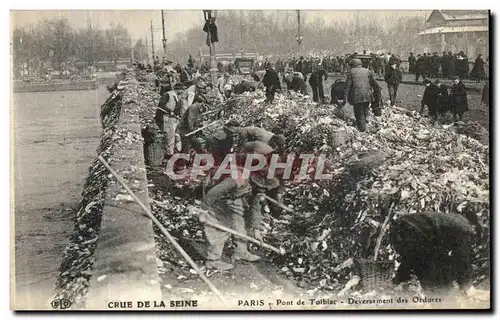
column 164, row 40
column 382, row 232
column 281, row 205
column 170, row 238
column 204, row 220
column 200, row 129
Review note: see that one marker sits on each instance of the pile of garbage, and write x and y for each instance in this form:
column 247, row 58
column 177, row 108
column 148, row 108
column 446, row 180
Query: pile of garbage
column 400, row 165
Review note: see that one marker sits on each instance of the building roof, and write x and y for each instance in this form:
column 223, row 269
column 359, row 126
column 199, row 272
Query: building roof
column 454, row 29
column 460, row 14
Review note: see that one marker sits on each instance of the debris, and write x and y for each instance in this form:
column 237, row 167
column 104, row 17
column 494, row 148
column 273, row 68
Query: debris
column 124, row 197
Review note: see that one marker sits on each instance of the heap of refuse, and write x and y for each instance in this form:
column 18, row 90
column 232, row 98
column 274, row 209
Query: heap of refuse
column 401, row 162
column 401, row 165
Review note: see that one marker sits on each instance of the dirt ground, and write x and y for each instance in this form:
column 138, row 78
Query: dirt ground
column 55, row 137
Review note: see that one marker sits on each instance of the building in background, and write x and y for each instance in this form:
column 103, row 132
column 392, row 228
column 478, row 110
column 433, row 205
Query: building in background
column 457, row 30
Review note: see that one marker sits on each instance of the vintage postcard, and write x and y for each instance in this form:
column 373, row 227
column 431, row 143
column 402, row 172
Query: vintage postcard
column 250, row 160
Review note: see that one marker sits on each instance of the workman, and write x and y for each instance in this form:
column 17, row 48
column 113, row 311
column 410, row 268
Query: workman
column 359, row 90
column 252, row 133
column 220, row 144
column 222, row 83
column 167, row 117
column 436, row 247
column 190, row 121
column 272, row 83
column 298, row 84
column 262, row 148
column 225, row 201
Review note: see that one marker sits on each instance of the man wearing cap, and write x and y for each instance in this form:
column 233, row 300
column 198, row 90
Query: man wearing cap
column 393, row 78
column 272, row 83
column 360, row 83
column 168, row 115
column 225, row 201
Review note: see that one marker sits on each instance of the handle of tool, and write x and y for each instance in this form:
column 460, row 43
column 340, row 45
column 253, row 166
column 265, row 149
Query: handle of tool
column 165, row 232
column 202, row 128
column 240, row 235
column 211, row 111
column 281, row 205
column 383, row 228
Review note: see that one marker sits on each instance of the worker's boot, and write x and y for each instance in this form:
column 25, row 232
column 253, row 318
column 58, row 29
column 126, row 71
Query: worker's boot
column 241, row 253
column 219, row 265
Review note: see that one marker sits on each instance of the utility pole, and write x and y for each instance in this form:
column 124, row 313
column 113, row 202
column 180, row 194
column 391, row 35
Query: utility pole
column 147, row 53
column 299, row 36
column 152, row 41
column 241, row 31
column 210, row 16
column 164, row 40
column 132, row 50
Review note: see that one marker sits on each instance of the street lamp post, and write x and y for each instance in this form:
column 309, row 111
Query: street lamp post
column 210, row 16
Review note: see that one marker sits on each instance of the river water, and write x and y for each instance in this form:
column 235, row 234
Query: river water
column 55, row 136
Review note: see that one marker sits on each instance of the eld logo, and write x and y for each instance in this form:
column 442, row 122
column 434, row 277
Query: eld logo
column 60, row 304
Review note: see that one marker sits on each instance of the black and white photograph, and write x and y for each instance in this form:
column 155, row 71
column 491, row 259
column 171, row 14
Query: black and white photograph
column 250, row 160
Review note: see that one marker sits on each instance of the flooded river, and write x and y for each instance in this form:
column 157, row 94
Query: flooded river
column 55, row 137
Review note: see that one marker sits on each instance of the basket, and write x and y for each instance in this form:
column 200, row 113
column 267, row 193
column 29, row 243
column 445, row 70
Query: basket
column 338, row 138
column 154, row 150
column 375, row 274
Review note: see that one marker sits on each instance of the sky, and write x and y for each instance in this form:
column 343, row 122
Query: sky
column 138, row 22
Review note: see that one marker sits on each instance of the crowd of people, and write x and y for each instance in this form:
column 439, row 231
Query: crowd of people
column 447, row 66
column 237, row 203
column 359, row 87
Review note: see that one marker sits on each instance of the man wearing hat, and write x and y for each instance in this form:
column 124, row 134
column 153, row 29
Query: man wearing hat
column 436, row 247
column 393, row 78
column 224, row 84
column 168, row 115
column 430, row 99
column 190, row 121
column 252, row 133
column 411, row 63
column 220, row 144
column 302, row 67
column 443, row 98
column 225, row 201
column 272, row 83
column 360, row 83
column 298, row 84
column 458, row 99
column 419, row 67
